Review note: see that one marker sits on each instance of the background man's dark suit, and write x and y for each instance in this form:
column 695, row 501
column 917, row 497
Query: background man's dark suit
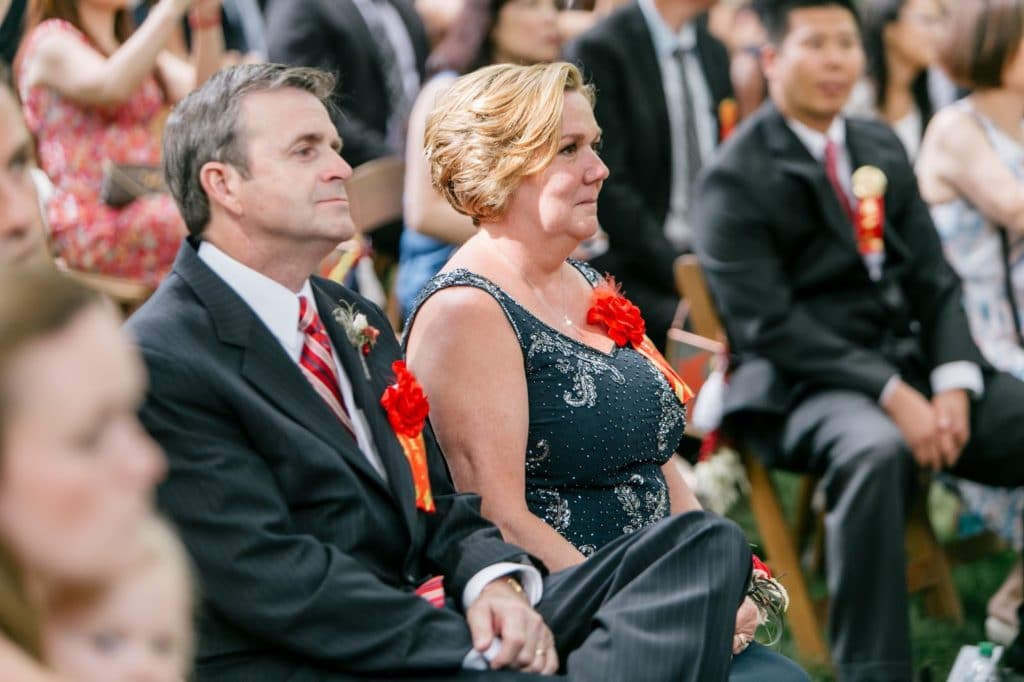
column 815, row 341
column 307, row 557
column 617, row 56
column 332, row 35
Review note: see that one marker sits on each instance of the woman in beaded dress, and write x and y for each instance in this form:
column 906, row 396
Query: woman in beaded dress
column 545, row 395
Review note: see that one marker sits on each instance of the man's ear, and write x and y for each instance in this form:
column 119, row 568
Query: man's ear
column 221, row 182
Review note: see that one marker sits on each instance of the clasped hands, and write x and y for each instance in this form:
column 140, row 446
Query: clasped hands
column 526, row 641
column 935, row 430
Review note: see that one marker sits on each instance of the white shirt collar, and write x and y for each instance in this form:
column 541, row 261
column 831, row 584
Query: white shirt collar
column 275, row 304
column 815, row 141
column 665, row 41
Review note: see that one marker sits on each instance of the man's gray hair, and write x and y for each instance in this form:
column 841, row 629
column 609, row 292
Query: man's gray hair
column 204, row 127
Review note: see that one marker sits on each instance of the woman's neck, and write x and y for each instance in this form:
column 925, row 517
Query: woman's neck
column 1004, row 107
column 98, row 23
column 898, row 101
column 540, row 263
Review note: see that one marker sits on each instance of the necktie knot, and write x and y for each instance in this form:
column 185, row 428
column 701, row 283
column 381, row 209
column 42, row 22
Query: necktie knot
column 309, row 321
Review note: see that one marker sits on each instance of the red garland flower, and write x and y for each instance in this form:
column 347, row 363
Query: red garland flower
column 405, row 402
column 622, row 319
column 761, row 566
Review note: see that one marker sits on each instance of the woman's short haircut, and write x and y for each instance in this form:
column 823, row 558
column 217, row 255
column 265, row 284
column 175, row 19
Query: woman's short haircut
column 983, row 36
column 492, row 128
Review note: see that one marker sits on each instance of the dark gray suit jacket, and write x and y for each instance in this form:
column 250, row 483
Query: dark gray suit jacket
column 781, row 260
column 307, row 557
column 332, row 35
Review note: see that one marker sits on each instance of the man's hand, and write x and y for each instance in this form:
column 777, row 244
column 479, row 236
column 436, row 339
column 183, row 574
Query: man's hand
column 746, row 626
column 916, row 419
column 953, row 417
column 526, row 641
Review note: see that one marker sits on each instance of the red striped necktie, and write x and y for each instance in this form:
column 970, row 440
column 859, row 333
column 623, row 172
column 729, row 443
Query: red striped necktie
column 317, row 362
column 832, row 171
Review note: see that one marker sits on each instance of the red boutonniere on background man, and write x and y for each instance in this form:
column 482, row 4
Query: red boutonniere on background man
column 625, row 325
column 407, row 408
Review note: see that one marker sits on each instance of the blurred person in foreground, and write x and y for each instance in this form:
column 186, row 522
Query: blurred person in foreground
column 76, row 469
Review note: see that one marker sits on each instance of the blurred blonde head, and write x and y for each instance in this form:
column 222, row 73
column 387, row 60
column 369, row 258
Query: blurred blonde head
column 494, row 127
column 136, row 626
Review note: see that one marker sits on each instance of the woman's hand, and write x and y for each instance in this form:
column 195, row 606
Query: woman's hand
column 746, row 626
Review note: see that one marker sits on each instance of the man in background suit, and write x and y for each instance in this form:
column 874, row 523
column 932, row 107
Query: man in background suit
column 359, row 41
column 292, row 492
column 852, row 357
column 653, row 146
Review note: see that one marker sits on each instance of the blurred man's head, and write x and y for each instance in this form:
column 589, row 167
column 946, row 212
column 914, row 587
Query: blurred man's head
column 21, row 226
column 814, row 56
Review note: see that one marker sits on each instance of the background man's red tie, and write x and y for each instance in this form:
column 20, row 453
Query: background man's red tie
column 832, row 171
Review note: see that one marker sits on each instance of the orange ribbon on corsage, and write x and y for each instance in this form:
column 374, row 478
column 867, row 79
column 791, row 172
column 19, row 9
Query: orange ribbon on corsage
column 407, row 408
column 728, row 116
column 624, row 324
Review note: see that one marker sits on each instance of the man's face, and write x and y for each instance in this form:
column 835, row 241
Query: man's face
column 813, row 70
column 294, row 197
column 21, row 226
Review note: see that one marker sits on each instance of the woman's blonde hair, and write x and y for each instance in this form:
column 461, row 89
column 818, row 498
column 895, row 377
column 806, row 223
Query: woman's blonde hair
column 492, row 128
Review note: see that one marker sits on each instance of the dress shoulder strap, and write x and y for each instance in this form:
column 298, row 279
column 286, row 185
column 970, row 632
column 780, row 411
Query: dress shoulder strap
column 466, row 278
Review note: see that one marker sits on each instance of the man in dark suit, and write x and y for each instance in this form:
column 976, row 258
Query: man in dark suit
column 360, row 41
column 661, row 78
column 852, row 354
column 307, row 517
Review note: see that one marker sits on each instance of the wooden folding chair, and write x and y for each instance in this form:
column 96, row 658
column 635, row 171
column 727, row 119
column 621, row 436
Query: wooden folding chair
column 927, row 566
column 126, row 293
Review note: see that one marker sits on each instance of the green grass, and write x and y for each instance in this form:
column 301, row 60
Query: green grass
column 935, row 642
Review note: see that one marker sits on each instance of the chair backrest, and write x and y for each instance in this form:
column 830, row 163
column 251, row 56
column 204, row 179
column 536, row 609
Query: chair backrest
column 375, row 193
column 127, row 294
column 691, row 286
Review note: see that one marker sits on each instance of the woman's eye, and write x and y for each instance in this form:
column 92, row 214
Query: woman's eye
column 569, row 149
column 107, row 642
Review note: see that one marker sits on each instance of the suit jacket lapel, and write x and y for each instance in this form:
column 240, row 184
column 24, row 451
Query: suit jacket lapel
column 795, row 160
column 264, row 362
column 367, row 393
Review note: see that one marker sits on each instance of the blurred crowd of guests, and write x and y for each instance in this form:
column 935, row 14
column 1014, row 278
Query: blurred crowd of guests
column 91, row 85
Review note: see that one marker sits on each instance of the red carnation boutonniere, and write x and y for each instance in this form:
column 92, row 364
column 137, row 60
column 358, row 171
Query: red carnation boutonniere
column 407, row 407
column 617, row 314
column 624, row 324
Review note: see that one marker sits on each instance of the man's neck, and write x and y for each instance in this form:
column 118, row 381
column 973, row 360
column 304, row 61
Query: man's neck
column 676, row 13
column 283, row 265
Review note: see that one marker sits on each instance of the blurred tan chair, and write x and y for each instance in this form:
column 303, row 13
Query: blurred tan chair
column 127, row 294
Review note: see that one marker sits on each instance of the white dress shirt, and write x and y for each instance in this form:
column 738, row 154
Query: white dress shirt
column 278, row 308
column 949, row 376
column 677, row 228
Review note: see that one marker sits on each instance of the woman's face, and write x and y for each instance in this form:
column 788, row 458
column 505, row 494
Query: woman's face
column 526, row 32
column 76, row 468
column 916, row 33
column 138, row 630
column 562, row 198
